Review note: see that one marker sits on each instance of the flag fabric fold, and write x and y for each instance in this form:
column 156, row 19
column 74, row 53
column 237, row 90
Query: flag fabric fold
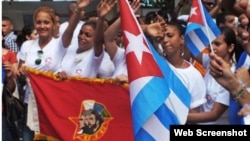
column 156, row 101
column 201, row 28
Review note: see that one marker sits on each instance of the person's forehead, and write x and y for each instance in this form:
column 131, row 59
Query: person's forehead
column 229, row 16
column 43, row 15
column 6, row 22
column 92, row 117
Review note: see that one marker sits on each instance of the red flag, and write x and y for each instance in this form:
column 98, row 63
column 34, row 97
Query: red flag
column 82, row 110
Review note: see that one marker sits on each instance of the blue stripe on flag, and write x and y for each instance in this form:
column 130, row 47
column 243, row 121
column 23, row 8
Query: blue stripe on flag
column 178, row 87
column 234, row 108
column 143, row 136
column 210, row 23
column 166, row 120
column 242, row 59
column 191, row 45
column 154, row 92
column 192, row 26
column 172, row 80
column 203, row 36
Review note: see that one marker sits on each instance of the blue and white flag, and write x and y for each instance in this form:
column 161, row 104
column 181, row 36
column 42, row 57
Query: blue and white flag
column 158, row 98
column 201, row 29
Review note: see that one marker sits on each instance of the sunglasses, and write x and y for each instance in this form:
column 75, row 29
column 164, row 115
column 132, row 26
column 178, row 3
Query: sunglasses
column 38, row 61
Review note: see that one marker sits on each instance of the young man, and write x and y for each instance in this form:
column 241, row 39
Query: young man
column 9, row 35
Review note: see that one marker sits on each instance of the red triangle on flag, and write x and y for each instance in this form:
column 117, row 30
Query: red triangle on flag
column 195, row 13
column 139, row 59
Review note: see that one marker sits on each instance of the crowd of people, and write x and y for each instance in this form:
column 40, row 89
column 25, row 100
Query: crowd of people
column 94, row 48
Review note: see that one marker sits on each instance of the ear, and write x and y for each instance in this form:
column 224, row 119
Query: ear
column 27, row 37
column 231, row 48
column 12, row 26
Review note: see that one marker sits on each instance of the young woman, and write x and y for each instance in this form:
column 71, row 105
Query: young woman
column 44, row 53
column 86, row 60
column 214, row 111
column 173, row 49
column 28, row 33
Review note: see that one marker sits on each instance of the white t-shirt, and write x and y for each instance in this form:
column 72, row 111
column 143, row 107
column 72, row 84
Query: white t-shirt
column 119, row 61
column 215, row 93
column 194, row 83
column 51, row 57
column 84, row 64
column 107, row 67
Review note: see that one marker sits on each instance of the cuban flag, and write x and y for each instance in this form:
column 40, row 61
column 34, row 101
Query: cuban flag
column 234, row 106
column 158, row 98
column 201, row 29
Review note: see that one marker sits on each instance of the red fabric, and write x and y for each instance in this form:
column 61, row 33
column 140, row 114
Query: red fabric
column 9, row 56
column 60, row 105
column 196, row 16
column 139, row 59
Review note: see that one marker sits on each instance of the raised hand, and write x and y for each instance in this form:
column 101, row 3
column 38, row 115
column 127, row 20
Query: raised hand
column 104, row 7
column 83, row 3
column 135, row 5
column 154, row 30
column 220, row 70
column 157, row 28
column 218, row 2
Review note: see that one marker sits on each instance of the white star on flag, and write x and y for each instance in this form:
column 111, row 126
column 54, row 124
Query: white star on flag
column 193, row 11
column 136, row 45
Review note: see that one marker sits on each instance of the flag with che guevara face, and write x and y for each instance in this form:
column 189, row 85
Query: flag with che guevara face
column 82, row 109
